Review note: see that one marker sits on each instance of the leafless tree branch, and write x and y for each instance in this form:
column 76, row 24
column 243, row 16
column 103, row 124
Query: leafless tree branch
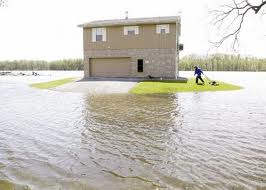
column 231, row 18
column 3, row 3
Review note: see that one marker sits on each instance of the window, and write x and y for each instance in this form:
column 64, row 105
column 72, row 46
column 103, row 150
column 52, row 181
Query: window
column 162, row 29
column 131, row 30
column 99, row 34
column 140, row 65
column 99, row 37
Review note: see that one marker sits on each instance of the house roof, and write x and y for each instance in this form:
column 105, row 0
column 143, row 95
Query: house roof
column 131, row 21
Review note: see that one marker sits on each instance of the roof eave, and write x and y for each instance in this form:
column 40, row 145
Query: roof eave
column 123, row 24
column 91, row 25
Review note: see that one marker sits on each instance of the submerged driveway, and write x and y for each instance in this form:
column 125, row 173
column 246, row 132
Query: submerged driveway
column 99, row 86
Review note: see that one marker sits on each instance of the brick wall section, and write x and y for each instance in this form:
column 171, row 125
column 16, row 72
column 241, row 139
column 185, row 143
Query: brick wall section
column 156, row 62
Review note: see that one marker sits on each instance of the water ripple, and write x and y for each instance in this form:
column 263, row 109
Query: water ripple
column 51, row 140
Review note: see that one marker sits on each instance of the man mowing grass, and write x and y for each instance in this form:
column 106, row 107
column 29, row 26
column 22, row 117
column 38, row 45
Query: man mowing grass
column 198, row 72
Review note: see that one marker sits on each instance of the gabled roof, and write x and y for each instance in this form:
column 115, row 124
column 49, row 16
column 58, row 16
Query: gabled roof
column 131, row 21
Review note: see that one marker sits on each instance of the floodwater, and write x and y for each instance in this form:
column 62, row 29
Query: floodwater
column 69, row 141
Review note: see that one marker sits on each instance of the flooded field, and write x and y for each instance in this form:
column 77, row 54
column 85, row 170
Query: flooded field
column 70, row 141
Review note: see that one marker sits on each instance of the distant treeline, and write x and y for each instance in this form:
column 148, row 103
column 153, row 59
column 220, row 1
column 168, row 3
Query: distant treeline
column 222, row 62
column 215, row 62
column 29, row 65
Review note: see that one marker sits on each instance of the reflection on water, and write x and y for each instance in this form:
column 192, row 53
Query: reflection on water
column 51, row 140
column 130, row 136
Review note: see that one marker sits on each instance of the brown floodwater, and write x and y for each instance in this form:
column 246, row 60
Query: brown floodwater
column 68, row 141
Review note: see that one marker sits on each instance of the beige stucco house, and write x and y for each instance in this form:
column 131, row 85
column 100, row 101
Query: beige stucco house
column 132, row 47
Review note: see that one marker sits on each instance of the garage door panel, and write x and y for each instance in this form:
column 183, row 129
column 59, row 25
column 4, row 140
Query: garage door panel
column 110, row 67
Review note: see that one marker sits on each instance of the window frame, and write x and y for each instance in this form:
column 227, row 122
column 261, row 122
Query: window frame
column 165, row 27
column 98, row 33
column 127, row 29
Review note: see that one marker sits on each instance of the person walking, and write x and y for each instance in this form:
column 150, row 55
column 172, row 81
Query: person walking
column 198, row 72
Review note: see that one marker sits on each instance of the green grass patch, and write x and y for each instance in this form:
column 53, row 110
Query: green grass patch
column 169, row 87
column 52, row 84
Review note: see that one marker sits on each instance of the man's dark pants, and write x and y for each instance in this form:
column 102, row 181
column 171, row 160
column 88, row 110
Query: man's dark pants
column 199, row 77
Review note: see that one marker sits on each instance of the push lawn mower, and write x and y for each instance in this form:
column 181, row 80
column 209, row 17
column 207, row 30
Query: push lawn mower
column 211, row 82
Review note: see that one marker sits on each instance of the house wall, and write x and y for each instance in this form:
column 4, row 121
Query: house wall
column 157, row 62
column 158, row 51
column 147, row 38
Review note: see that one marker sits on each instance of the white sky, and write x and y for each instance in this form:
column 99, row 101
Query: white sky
column 47, row 29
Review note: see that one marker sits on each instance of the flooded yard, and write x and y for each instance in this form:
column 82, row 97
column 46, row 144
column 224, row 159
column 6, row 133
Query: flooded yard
column 53, row 140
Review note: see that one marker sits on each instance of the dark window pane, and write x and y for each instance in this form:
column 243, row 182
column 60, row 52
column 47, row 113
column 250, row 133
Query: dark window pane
column 140, row 65
column 99, row 38
column 131, row 32
column 163, row 31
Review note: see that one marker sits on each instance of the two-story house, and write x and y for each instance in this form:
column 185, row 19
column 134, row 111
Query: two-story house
column 132, row 47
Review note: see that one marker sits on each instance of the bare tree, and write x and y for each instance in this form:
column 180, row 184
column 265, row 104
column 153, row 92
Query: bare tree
column 229, row 19
column 3, row 3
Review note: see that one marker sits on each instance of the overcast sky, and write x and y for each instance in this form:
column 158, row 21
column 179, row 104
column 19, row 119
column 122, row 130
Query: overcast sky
column 47, row 29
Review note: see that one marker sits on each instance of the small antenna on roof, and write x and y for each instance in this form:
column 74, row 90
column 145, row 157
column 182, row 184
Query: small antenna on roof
column 126, row 15
column 179, row 13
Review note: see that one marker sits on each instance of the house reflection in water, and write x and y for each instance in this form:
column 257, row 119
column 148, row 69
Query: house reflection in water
column 133, row 138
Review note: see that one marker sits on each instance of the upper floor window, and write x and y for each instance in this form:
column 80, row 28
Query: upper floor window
column 99, row 34
column 162, row 29
column 131, row 30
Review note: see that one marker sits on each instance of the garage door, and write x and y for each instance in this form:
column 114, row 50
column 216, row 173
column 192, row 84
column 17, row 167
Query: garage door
column 110, row 67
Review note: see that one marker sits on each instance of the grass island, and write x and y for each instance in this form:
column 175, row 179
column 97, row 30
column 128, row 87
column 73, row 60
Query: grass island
column 168, row 87
column 154, row 86
column 52, row 84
